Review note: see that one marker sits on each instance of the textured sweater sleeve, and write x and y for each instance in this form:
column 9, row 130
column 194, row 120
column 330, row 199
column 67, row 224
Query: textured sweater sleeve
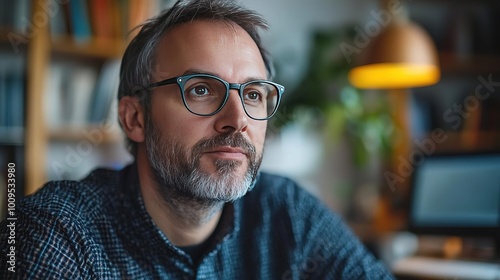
column 328, row 249
column 49, row 242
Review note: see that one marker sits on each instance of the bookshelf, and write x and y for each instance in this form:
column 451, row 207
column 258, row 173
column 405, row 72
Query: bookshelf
column 61, row 42
column 72, row 134
column 453, row 63
column 94, row 48
column 13, row 96
column 462, row 104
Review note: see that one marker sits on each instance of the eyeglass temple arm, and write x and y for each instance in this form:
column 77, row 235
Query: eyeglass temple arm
column 162, row 83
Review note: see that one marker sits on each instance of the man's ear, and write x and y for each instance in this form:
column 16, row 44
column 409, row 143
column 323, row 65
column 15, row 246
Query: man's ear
column 131, row 114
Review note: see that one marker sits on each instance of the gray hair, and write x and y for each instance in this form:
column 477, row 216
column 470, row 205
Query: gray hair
column 138, row 61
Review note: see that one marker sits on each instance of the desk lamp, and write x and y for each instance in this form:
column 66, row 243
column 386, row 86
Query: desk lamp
column 401, row 56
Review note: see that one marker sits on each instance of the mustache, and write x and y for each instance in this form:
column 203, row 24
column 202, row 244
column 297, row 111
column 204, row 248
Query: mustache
column 234, row 140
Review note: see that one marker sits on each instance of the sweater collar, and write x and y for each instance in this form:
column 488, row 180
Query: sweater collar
column 227, row 228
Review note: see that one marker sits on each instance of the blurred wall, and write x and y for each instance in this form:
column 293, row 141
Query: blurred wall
column 293, row 21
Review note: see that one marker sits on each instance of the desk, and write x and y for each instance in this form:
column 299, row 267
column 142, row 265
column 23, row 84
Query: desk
column 434, row 268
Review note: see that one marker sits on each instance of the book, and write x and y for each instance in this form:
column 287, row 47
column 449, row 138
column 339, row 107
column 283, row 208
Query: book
column 3, row 92
column 58, row 20
column 139, row 11
column 15, row 98
column 83, row 79
column 53, row 95
column 80, row 21
column 69, row 93
column 12, row 90
column 105, row 92
column 21, row 13
column 6, row 15
column 100, row 18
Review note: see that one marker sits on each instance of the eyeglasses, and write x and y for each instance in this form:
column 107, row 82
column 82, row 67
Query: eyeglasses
column 206, row 95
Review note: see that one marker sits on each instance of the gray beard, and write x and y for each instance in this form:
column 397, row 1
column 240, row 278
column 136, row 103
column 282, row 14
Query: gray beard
column 187, row 190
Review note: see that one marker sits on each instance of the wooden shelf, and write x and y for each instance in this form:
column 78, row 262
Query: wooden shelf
column 4, row 32
column 12, row 135
column 97, row 48
column 75, row 134
column 469, row 64
column 469, row 141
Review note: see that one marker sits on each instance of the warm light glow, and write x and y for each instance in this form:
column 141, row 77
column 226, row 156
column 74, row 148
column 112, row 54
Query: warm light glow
column 394, row 75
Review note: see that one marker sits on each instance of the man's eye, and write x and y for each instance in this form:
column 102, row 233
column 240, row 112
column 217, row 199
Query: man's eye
column 199, row 90
column 253, row 96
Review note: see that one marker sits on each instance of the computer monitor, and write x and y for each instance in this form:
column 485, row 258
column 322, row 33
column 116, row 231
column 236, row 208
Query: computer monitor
column 456, row 194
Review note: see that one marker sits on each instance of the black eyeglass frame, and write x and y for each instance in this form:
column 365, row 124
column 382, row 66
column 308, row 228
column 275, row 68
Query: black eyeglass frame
column 181, row 81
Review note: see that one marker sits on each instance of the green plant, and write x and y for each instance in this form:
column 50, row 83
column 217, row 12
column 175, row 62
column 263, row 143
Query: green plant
column 363, row 117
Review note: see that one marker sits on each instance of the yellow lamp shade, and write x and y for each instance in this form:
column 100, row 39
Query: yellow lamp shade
column 394, row 75
column 401, row 56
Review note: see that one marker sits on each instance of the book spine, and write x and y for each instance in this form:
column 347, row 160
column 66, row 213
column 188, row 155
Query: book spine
column 80, row 20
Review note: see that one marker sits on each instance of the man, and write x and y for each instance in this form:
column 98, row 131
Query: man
column 194, row 98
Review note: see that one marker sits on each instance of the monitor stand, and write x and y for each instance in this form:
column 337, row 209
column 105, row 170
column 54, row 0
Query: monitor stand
column 497, row 249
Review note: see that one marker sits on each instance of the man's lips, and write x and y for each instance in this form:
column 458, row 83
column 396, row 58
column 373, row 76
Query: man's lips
column 229, row 152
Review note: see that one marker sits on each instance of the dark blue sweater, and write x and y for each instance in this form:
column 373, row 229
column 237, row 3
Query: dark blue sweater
column 98, row 228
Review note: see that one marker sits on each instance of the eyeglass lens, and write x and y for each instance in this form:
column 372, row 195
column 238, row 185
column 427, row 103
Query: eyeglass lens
column 205, row 95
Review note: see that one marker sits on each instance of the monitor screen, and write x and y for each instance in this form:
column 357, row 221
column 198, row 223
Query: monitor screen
column 456, row 194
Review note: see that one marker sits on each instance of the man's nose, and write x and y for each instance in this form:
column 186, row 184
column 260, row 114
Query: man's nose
column 232, row 117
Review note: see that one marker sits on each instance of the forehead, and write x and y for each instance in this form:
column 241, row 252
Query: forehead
column 213, row 46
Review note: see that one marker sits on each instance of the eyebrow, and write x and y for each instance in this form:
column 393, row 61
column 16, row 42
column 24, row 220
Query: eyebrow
column 199, row 71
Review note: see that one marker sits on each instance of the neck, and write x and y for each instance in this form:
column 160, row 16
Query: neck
column 184, row 221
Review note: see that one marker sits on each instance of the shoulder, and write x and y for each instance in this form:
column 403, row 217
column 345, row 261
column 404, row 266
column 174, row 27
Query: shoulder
column 57, row 223
column 281, row 198
column 275, row 185
column 283, row 191
column 74, row 199
column 318, row 235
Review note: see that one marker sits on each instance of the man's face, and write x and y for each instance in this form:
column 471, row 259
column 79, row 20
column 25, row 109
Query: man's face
column 212, row 158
